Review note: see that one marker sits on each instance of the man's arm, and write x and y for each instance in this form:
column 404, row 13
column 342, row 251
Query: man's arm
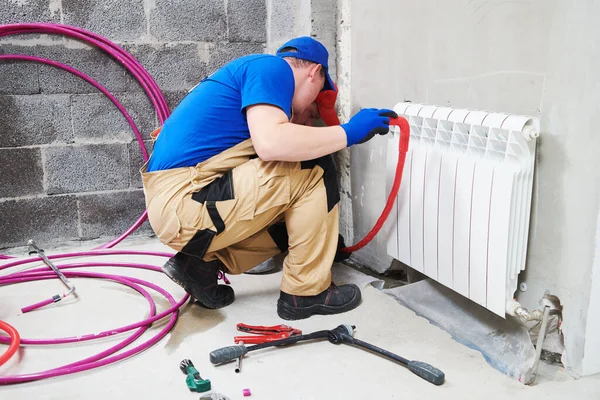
column 276, row 139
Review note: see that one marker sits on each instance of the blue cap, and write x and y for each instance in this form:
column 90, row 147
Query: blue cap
column 311, row 50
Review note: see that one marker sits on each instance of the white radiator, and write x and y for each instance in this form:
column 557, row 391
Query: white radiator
column 462, row 213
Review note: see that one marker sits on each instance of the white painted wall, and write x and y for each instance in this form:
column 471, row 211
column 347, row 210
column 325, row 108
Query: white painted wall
column 536, row 57
column 591, row 352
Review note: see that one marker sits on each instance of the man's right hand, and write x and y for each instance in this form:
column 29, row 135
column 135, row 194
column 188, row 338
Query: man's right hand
column 367, row 123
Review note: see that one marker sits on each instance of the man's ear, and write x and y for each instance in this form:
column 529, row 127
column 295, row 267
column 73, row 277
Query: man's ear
column 314, row 71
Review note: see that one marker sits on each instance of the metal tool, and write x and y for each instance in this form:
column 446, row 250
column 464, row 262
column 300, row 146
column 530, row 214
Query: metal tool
column 265, row 334
column 238, row 364
column 193, row 379
column 214, row 396
column 341, row 334
column 57, row 297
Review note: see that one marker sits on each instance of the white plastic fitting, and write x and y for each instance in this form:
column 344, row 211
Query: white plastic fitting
column 530, row 133
column 529, row 127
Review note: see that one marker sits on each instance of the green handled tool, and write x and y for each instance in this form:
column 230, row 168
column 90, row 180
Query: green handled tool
column 193, row 380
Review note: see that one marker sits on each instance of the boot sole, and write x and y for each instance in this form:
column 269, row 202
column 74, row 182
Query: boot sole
column 176, row 277
column 291, row 313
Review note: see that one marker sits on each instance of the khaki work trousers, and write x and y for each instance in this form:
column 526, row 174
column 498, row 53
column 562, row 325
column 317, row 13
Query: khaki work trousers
column 241, row 210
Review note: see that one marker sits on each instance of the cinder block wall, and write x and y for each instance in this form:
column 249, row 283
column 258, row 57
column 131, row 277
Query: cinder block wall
column 68, row 159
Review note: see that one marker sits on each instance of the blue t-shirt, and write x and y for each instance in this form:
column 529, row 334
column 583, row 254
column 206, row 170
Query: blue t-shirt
column 212, row 117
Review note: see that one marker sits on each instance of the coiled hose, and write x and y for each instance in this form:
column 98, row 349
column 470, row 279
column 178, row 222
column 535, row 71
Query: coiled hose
column 162, row 110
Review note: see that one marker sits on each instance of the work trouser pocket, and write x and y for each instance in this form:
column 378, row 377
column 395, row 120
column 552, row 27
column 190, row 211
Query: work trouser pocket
column 273, row 184
column 167, row 227
column 327, row 165
column 202, row 215
column 215, row 199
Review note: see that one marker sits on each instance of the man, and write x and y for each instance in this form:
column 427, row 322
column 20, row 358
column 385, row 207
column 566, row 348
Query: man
column 232, row 182
column 323, row 109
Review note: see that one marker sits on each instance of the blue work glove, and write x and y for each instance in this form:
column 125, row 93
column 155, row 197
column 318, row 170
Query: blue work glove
column 367, row 123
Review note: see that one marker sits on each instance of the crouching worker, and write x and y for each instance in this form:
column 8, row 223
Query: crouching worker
column 233, row 182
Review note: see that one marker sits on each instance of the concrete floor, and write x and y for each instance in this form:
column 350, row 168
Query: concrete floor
column 311, row 371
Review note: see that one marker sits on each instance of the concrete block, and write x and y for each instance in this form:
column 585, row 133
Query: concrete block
column 285, row 21
column 45, row 220
column 21, row 172
column 35, row 119
column 113, row 19
column 225, row 52
column 97, row 119
column 18, row 77
column 86, row 168
column 247, row 20
column 173, row 66
column 324, row 28
column 91, row 61
column 28, row 11
column 136, row 161
column 188, row 20
column 110, row 213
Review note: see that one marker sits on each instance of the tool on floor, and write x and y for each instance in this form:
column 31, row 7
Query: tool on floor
column 214, row 396
column 265, row 334
column 57, row 297
column 193, row 380
column 341, row 334
column 238, row 362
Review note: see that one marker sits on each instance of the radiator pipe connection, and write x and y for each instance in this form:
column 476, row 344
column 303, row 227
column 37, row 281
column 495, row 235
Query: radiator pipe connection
column 540, row 343
column 515, row 309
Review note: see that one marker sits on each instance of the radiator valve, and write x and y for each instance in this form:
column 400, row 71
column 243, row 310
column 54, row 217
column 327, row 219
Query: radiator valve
column 515, row 309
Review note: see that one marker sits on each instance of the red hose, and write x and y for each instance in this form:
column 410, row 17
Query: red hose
column 402, row 149
column 15, row 341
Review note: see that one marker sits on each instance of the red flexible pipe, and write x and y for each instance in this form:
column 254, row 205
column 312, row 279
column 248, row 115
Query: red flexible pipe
column 402, row 149
column 15, row 341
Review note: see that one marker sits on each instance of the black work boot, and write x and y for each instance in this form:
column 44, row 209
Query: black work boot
column 199, row 279
column 335, row 300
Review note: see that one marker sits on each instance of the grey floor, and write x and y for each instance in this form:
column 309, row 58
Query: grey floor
column 310, row 371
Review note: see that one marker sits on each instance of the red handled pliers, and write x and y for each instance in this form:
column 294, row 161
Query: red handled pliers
column 265, row 334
